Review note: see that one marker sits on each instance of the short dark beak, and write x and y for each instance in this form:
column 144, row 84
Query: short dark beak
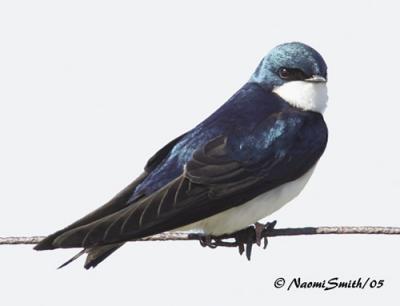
column 316, row 79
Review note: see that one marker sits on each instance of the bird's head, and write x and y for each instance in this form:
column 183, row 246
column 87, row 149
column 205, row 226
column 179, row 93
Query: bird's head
column 297, row 73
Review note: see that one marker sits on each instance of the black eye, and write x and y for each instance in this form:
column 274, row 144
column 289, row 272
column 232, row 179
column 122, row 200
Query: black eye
column 291, row 74
column 283, row 73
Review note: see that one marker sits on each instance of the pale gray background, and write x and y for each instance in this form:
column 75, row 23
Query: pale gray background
column 89, row 90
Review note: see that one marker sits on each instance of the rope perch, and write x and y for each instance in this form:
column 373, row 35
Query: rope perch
column 275, row 232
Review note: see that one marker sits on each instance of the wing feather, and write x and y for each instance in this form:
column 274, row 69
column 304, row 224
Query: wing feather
column 219, row 176
column 117, row 203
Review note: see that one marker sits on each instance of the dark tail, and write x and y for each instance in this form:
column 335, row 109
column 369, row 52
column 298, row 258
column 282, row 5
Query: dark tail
column 95, row 255
column 72, row 259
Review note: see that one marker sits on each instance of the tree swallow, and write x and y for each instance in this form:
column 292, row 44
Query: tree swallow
column 249, row 158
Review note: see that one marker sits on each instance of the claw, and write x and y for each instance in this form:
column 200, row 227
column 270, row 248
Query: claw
column 206, row 241
column 202, row 241
column 268, row 227
column 265, row 242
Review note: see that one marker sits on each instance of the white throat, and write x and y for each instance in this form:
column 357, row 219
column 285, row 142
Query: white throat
column 305, row 95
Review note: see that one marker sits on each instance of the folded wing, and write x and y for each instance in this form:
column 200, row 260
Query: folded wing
column 220, row 175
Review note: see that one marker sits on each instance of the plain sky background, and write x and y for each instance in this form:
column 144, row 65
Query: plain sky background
column 89, row 90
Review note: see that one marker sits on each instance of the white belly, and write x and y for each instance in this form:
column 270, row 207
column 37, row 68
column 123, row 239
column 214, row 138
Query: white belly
column 239, row 217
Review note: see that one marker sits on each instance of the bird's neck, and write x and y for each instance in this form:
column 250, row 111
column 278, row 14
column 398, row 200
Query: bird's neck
column 304, row 95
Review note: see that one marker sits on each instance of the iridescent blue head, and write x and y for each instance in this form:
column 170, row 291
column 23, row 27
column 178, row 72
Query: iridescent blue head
column 297, row 73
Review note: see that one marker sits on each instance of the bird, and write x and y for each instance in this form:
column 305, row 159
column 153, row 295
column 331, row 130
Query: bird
column 249, row 158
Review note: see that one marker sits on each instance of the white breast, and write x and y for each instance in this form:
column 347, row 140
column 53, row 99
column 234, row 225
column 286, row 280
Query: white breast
column 246, row 214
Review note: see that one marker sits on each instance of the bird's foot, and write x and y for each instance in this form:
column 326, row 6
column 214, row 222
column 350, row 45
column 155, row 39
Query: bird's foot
column 261, row 230
column 253, row 234
column 207, row 241
column 213, row 241
column 243, row 239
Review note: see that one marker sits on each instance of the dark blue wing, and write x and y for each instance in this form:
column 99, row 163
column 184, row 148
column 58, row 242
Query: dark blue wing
column 238, row 117
column 227, row 171
column 167, row 164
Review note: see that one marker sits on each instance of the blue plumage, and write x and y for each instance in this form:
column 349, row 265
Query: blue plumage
column 240, row 124
column 234, row 119
column 259, row 140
